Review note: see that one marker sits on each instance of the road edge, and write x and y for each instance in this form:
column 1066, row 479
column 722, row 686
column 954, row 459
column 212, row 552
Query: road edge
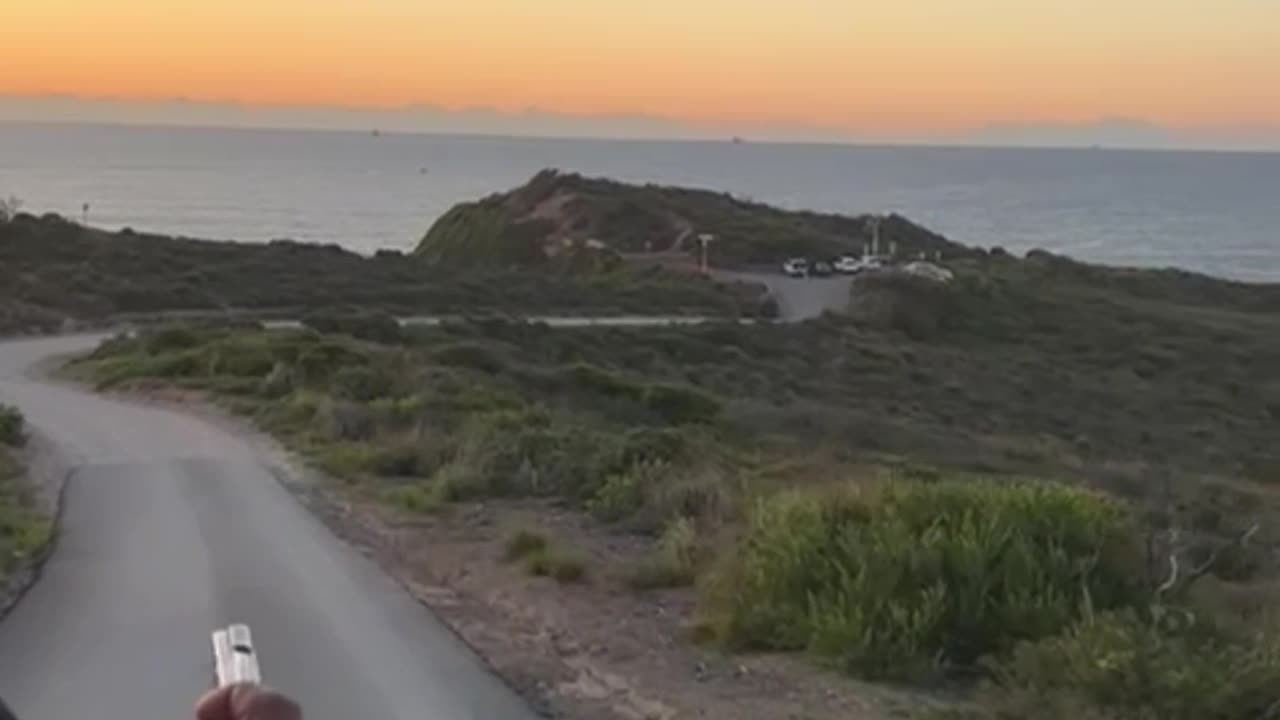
column 307, row 485
column 49, row 472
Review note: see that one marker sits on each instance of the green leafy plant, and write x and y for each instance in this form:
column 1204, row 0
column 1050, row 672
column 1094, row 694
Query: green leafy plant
column 674, row 561
column 523, row 543
column 892, row 580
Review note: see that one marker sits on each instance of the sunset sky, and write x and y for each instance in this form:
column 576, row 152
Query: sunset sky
column 925, row 66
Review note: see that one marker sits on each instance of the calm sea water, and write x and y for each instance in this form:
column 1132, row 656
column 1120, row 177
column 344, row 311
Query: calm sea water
column 1213, row 212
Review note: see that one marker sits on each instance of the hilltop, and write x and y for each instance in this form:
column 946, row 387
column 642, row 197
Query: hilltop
column 565, row 219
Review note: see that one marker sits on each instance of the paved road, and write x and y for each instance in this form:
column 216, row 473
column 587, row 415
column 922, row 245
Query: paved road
column 171, row 528
column 555, row 321
column 798, row 298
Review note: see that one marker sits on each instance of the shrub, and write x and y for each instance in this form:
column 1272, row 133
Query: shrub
column 398, row 457
column 169, row 338
column 360, row 383
column 889, row 580
column 1171, row 668
column 623, row 493
column 241, row 356
column 529, row 453
column 469, row 355
column 277, row 383
column 318, row 361
column 681, row 404
column 557, row 564
column 344, row 420
column 184, row 364
column 345, row 460
column 12, row 426
column 523, row 543
column 602, row 382
column 673, row 561
column 414, row 498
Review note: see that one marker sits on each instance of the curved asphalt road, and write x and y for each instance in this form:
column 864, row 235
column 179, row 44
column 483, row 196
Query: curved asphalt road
column 172, row 528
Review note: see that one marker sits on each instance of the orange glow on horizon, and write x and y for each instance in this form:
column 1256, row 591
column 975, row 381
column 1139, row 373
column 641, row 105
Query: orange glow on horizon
column 838, row 64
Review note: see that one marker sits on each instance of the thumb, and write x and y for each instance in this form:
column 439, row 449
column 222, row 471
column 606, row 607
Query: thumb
column 246, row 702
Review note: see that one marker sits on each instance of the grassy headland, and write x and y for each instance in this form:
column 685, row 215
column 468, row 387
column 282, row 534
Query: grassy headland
column 567, row 220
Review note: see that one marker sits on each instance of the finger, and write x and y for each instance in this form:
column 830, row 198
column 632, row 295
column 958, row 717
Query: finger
column 251, row 702
column 215, row 705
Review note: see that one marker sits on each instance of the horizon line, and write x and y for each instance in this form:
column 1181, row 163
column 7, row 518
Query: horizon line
column 884, row 143
column 1103, row 132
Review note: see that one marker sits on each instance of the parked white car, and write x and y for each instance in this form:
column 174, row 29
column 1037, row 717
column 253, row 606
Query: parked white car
column 850, row 265
column 847, row 264
column 796, row 267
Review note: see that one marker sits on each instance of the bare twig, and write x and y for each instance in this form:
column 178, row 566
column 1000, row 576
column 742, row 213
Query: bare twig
column 1177, row 579
column 1175, row 534
column 1240, row 541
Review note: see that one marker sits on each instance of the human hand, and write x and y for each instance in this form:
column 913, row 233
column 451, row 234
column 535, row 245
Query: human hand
column 246, row 702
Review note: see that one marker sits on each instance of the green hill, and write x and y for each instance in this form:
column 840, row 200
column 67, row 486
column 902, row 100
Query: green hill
column 558, row 216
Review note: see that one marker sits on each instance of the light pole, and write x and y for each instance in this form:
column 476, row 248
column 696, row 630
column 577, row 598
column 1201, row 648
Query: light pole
column 873, row 224
column 704, row 239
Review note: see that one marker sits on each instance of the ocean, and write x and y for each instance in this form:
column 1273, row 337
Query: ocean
column 1217, row 213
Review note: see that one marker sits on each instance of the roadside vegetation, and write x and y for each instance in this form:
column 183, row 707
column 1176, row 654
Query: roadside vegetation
column 23, row 528
column 54, row 272
column 1047, row 485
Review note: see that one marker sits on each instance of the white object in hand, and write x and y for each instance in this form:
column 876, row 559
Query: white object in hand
column 235, row 660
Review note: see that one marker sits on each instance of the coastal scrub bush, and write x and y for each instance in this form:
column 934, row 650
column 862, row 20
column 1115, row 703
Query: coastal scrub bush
column 12, row 426
column 469, row 355
column 623, row 493
column 523, row 542
column 319, row 360
column 605, row 383
column 560, row 565
column 360, row 383
column 277, row 383
column 170, row 338
column 1170, row 667
column 416, row 497
column 673, row 563
column 242, row 355
column 681, row 404
column 893, row 579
